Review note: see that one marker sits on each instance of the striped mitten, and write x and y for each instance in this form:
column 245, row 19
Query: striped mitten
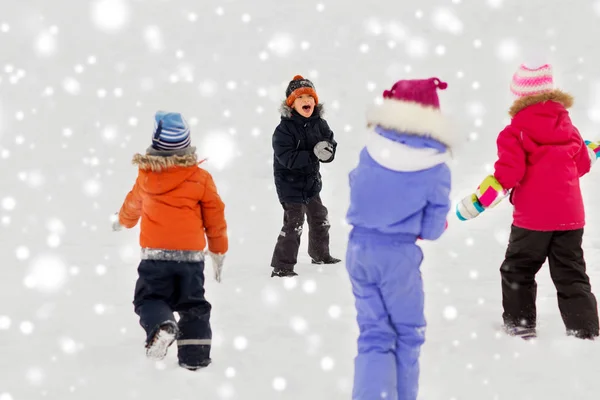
column 488, row 195
column 594, row 150
column 469, row 208
column 490, row 192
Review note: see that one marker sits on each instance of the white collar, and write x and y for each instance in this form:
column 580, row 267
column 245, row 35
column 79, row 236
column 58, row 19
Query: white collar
column 400, row 157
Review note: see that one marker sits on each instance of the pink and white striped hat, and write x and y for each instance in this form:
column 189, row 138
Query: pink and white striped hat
column 529, row 82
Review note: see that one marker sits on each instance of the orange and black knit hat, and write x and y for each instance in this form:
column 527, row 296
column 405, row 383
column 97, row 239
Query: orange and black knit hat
column 299, row 86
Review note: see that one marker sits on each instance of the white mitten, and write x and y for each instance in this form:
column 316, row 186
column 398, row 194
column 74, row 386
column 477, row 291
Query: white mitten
column 116, row 225
column 323, row 150
column 217, row 264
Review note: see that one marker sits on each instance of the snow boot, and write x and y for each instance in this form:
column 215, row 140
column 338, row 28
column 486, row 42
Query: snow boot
column 521, row 331
column 327, row 260
column 282, row 273
column 158, row 345
column 582, row 334
column 202, row 364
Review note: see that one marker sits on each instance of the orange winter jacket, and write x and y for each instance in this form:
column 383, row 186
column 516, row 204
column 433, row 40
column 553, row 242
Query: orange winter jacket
column 178, row 204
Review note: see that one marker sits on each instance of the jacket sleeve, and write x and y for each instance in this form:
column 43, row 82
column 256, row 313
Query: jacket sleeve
column 131, row 210
column 436, row 211
column 328, row 136
column 213, row 214
column 511, row 164
column 286, row 151
column 582, row 158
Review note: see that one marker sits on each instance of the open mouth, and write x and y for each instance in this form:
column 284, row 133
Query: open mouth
column 306, row 108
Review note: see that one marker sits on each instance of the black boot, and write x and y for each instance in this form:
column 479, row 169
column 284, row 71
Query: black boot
column 202, row 364
column 583, row 334
column 521, row 331
column 327, row 260
column 282, row 273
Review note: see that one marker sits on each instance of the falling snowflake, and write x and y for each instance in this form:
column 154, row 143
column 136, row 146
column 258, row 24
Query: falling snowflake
column 110, row 15
column 450, row 313
column 71, row 86
column 45, row 44
column 5, row 323
column 68, row 345
column 220, row 148
column 299, row 325
column 309, row 286
column 334, row 311
column 446, row 20
column 9, row 203
column 92, row 187
column 279, row 384
column 47, row 274
column 35, row 376
column 507, row 50
column 154, row 39
column 26, row 327
column 327, row 363
column 281, row 44
column 240, row 343
column 99, row 309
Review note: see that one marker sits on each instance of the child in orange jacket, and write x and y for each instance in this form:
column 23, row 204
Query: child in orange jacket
column 180, row 209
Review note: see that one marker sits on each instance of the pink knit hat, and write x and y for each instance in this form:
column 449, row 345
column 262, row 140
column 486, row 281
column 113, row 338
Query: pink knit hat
column 529, row 82
column 420, row 91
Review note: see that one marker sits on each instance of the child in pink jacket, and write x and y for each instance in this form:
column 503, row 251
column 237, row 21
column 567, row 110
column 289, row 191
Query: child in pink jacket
column 541, row 157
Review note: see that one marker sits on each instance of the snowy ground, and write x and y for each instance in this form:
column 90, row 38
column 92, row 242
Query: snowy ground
column 79, row 84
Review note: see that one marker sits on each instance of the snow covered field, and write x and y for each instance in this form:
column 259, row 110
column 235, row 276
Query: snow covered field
column 79, row 84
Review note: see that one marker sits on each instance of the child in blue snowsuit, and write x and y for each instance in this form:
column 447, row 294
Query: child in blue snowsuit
column 399, row 193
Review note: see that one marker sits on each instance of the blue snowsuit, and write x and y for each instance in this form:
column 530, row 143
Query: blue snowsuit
column 399, row 192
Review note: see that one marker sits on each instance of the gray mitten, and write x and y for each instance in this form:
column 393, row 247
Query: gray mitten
column 116, row 225
column 323, row 150
column 217, row 263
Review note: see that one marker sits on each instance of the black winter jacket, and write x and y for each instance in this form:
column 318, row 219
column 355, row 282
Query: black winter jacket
column 295, row 165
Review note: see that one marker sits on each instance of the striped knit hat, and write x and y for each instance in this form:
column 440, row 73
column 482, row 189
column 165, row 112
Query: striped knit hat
column 529, row 82
column 171, row 131
column 297, row 87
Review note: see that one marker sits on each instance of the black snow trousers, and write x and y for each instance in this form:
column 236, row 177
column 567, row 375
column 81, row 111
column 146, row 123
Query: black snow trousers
column 164, row 287
column 527, row 251
column 285, row 254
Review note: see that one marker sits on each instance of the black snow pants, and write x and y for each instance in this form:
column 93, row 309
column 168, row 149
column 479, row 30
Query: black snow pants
column 164, row 287
column 285, row 254
column 527, row 251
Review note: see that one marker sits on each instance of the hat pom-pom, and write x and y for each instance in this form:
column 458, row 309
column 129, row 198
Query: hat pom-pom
column 439, row 84
column 298, row 78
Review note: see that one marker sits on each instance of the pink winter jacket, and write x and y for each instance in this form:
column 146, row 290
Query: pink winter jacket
column 541, row 157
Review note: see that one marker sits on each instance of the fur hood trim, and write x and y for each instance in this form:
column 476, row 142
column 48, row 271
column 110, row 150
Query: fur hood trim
column 556, row 95
column 286, row 111
column 160, row 163
column 413, row 118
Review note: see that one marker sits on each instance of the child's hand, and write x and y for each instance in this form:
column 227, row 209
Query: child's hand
column 469, row 208
column 217, row 263
column 323, row 150
column 490, row 192
column 116, row 225
column 594, row 150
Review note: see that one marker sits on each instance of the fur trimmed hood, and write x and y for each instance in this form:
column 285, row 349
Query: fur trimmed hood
column 413, row 119
column 556, row 95
column 286, row 111
column 159, row 163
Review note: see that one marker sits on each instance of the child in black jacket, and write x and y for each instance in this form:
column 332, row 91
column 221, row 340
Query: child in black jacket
column 300, row 142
